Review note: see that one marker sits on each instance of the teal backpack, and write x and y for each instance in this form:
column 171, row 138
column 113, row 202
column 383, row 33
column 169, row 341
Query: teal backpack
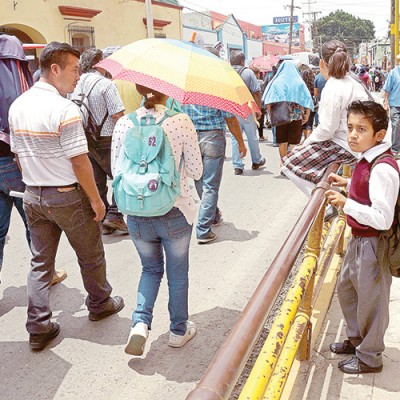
column 146, row 180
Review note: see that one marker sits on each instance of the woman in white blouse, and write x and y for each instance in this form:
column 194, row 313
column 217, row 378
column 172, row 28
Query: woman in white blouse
column 327, row 144
column 169, row 233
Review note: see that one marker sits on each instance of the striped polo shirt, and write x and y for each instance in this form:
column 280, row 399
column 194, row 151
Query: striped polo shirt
column 46, row 131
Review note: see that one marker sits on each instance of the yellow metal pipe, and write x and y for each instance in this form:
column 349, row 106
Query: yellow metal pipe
column 333, row 241
column 268, row 357
column 282, row 369
column 269, row 354
column 314, row 246
column 396, row 27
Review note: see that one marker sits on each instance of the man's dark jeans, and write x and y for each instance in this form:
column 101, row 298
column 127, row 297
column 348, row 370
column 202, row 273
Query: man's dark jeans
column 49, row 213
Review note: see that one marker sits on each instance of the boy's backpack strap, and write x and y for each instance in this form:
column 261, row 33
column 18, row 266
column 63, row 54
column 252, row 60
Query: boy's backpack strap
column 381, row 157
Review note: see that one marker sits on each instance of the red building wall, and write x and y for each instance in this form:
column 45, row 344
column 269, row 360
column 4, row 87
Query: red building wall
column 252, row 31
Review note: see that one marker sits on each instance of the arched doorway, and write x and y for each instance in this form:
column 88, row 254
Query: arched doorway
column 26, row 34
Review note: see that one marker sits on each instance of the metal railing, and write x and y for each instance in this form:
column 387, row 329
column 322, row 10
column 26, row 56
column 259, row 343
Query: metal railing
column 290, row 333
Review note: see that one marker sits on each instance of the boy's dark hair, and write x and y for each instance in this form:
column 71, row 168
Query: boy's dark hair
column 56, row 53
column 371, row 110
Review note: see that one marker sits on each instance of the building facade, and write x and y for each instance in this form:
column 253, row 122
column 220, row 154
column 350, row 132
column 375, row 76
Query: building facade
column 228, row 32
column 99, row 23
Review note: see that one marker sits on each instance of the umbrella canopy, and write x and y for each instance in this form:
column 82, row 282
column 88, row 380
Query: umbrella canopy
column 265, row 63
column 182, row 71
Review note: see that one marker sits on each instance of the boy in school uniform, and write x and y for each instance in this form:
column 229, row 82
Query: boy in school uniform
column 364, row 286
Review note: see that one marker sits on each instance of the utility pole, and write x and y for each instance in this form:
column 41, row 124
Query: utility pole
column 149, row 19
column 291, row 26
column 292, row 6
column 309, row 21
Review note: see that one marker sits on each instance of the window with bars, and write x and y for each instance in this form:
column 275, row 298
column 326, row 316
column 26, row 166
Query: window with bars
column 81, row 37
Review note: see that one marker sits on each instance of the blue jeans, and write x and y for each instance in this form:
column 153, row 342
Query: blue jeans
column 273, row 129
column 152, row 236
column 249, row 127
column 395, row 119
column 49, row 213
column 212, row 147
column 10, row 179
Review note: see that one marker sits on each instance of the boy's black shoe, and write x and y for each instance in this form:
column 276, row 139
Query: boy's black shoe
column 38, row 341
column 355, row 366
column 114, row 305
column 342, row 348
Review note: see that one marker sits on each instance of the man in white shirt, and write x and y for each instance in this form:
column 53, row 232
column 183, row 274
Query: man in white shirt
column 61, row 195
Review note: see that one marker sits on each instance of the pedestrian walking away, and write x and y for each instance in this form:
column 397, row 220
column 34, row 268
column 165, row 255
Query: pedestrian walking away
column 247, row 125
column 261, row 119
column 308, row 77
column 106, row 105
column 168, row 233
column 319, row 84
column 288, row 96
column 61, row 193
column 364, row 282
column 210, row 127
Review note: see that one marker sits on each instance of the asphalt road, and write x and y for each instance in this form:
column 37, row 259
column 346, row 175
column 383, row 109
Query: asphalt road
column 87, row 361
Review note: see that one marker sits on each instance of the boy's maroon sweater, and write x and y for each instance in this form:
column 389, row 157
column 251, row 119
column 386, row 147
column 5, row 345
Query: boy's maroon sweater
column 359, row 192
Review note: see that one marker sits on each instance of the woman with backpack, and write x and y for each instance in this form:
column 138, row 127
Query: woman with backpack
column 169, row 233
column 305, row 165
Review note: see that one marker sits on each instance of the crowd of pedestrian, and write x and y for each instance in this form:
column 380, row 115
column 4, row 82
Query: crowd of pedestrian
column 46, row 152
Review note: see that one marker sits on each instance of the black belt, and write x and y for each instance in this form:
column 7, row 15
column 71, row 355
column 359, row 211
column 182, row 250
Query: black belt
column 72, row 185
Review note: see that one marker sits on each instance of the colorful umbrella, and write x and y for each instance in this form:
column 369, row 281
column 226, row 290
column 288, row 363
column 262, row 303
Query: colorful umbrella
column 182, row 71
column 265, row 63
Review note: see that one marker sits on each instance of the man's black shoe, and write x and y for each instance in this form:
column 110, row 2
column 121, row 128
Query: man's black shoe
column 238, row 171
column 355, row 366
column 258, row 165
column 114, row 305
column 344, row 347
column 38, row 341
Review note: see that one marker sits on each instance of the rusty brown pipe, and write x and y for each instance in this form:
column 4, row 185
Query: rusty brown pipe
column 224, row 370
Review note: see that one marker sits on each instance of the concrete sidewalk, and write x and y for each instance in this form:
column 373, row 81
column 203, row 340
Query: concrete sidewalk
column 319, row 378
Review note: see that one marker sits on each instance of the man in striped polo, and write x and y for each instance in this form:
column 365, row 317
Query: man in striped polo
column 61, row 195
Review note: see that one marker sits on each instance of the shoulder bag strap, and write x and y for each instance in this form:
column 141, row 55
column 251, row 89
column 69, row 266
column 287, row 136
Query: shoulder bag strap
column 357, row 78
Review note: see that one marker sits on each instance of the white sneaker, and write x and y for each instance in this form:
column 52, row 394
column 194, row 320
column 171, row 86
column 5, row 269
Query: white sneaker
column 137, row 339
column 178, row 340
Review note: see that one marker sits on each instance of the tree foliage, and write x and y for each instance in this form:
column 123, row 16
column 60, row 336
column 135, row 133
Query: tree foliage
column 343, row 26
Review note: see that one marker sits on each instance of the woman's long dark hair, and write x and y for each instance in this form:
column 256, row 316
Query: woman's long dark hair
column 335, row 55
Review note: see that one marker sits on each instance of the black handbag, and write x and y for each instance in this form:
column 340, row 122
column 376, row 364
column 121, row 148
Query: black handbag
column 280, row 113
